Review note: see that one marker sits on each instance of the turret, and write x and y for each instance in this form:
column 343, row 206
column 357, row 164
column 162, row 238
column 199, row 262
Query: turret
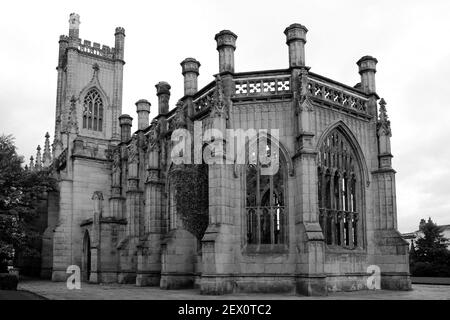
column 384, row 137
column 296, row 39
column 125, row 122
column 226, row 45
column 143, row 112
column 38, row 164
column 190, row 70
column 47, row 156
column 163, row 93
column 31, row 166
column 367, row 69
column 74, row 26
column 119, row 44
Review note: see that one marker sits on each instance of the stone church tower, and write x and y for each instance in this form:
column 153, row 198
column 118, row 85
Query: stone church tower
column 88, row 105
column 172, row 204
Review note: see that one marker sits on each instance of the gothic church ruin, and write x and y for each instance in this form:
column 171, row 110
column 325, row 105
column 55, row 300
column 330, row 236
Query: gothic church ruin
column 126, row 213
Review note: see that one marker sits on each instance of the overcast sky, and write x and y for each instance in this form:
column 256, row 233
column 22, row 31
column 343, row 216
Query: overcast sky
column 410, row 39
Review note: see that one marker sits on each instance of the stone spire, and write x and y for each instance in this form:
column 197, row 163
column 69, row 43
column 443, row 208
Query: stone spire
column 383, row 120
column 31, row 167
column 38, row 165
column 74, row 26
column 47, row 156
column 384, row 137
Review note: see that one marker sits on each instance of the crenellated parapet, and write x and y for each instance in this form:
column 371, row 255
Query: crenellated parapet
column 93, row 49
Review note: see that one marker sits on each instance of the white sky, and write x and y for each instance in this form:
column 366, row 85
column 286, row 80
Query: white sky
column 409, row 39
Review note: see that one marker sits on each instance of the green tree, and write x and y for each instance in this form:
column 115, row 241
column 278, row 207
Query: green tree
column 430, row 256
column 432, row 246
column 19, row 191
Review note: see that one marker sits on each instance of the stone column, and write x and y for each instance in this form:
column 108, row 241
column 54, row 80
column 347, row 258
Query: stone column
column 96, row 235
column 226, row 44
column 163, row 93
column 310, row 276
column 218, row 246
column 367, row 69
column 143, row 112
column 128, row 248
column 296, row 39
column 190, row 70
column 74, row 26
column 119, row 62
column 125, row 127
column 149, row 251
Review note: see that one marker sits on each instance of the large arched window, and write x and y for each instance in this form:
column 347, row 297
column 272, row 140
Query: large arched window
column 93, row 111
column 266, row 214
column 339, row 192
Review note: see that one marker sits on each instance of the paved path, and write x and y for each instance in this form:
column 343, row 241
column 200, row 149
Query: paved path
column 59, row 291
column 18, row 295
column 430, row 280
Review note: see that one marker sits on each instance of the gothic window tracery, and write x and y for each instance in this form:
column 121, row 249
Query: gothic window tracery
column 93, row 111
column 338, row 191
column 266, row 214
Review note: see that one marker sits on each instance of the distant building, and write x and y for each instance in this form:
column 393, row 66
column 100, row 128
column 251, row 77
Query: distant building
column 412, row 237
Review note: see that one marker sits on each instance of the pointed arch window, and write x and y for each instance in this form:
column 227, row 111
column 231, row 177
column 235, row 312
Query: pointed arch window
column 266, row 214
column 339, row 191
column 93, row 111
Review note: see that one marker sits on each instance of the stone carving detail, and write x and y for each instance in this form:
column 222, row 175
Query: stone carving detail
column 340, row 97
column 179, row 120
column 204, row 102
column 384, row 124
column 152, row 174
column 72, row 124
column 153, row 135
column 116, row 168
column 276, row 85
column 219, row 105
column 133, row 152
column 98, row 198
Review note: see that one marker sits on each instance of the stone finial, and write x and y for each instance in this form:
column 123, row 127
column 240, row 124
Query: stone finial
column 190, row 70
column 74, row 26
column 125, row 122
column 119, row 44
column 120, row 30
column 163, row 93
column 47, row 156
column 296, row 39
column 38, row 164
column 226, row 44
column 383, row 117
column 31, row 166
column 143, row 112
column 367, row 66
column 384, row 137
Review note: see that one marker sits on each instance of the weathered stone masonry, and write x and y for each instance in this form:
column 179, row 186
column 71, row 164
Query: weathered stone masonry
column 312, row 228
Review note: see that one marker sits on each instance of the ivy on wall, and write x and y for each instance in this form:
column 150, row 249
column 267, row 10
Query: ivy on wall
column 191, row 197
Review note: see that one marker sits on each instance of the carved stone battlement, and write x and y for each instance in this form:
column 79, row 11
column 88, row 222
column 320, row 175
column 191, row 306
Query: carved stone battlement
column 335, row 94
column 96, row 49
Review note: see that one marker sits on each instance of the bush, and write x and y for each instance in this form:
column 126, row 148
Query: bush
column 427, row 269
column 8, row 281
